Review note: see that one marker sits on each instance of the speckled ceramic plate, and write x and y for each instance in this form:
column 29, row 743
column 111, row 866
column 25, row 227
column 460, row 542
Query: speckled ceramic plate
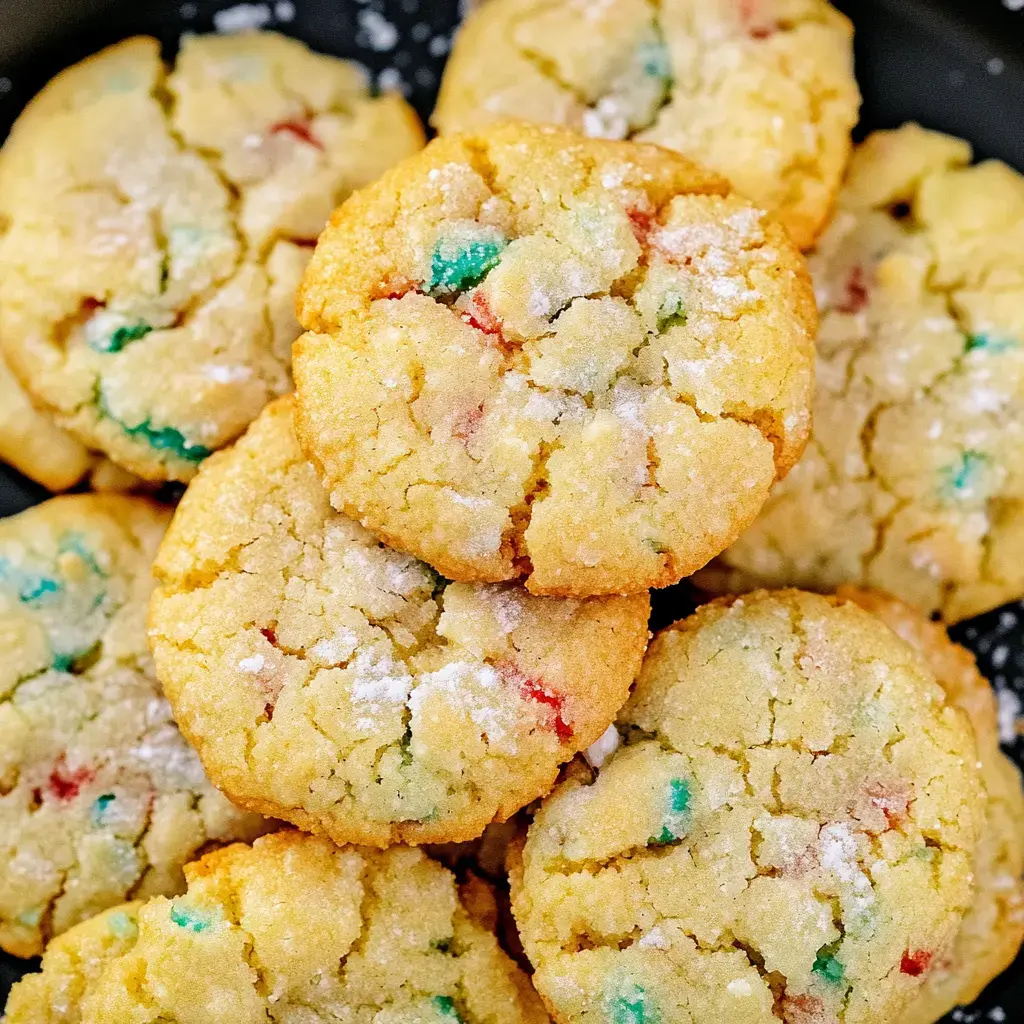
column 953, row 65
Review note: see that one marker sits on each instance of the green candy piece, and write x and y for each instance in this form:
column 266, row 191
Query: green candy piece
column 653, row 57
column 190, row 918
column 986, row 343
column 964, row 476
column 678, row 805
column 631, row 1005
column 99, row 807
column 827, row 966
column 680, row 799
column 162, row 438
column 663, row 837
column 455, row 266
column 446, row 1005
column 120, row 337
column 671, row 312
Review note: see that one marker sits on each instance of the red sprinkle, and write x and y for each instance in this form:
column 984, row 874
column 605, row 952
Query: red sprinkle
column 394, row 286
column 805, row 1009
column 65, row 785
column 270, row 635
column 892, row 801
column 855, row 292
column 642, row 223
column 749, row 15
column 464, row 425
column 916, row 963
column 533, row 689
column 268, row 710
column 480, row 316
column 301, row 131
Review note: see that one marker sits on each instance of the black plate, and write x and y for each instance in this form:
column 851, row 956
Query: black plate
column 955, row 65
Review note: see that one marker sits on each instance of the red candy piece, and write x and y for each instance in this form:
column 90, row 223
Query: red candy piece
column 805, row 1009
column 65, row 785
column 892, row 801
column 750, row 15
column 270, row 635
column 642, row 223
column 855, row 292
column 916, row 963
column 299, row 129
column 394, row 286
column 464, row 425
column 480, row 316
column 534, row 689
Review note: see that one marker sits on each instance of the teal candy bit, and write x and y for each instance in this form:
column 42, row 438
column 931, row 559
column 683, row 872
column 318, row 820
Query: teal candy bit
column 30, row 918
column 122, row 336
column 654, row 58
column 678, row 805
column 122, row 926
column 190, row 918
column 454, row 266
column 63, row 662
column 441, row 945
column 76, row 544
column 680, row 799
column 827, row 966
column 964, row 476
column 671, row 312
column 162, row 438
column 37, row 588
column 99, row 807
column 987, row 343
column 631, row 1005
column 446, row 1006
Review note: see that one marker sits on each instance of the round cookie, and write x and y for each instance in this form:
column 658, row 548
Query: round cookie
column 761, row 91
column 532, row 354
column 291, row 929
column 913, row 481
column 787, row 831
column 993, row 928
column 32, row 443
column 156, row 226
column 346, row 687
column 100, row 798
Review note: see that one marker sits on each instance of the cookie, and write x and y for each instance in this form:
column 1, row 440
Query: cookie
column 993, row 928
column 535, row 355
column 343, row 686
column 157, row 224
column 913, row 481
column 785, row 833
column 33, row 444
column 761, row 91
column 100, row 798
column 292, row 928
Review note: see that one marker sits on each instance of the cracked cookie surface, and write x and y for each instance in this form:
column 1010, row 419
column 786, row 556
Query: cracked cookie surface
column 100, row 798
column 761, row 91
column 291, row 929
column 786, row 832
column 992, row 929
column 531, row 354
column 913, row 480
column 329, row 680
column 157, row 224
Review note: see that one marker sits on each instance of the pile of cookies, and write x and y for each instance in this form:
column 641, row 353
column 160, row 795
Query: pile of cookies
column 436, row 454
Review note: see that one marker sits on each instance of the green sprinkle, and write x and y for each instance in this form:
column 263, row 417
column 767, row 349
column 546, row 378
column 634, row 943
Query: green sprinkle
column 827, row 966
column 657, row 546
column 122, row 926
column 76, row 544
column 457, row 265
column 63, row 662
column 671, row 312
column 663, row 837
column 120, row 337
column 653, row 57
column 37, row 588
column 987, row 343
column 631, row 1005
column 99, row 807
column 161, row 438
column 963, row 479
column 441, row 945
column 446, row 1006
column 190, row 918
column 680, row 799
